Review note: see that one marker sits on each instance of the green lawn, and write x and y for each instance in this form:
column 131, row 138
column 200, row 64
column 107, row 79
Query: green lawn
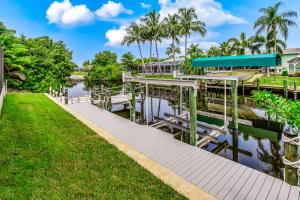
column 79, row 73
column 48, row 154
column 265, row 80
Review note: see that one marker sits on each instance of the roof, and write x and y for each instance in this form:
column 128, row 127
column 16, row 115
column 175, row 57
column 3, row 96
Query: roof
column 294, row 60
column 291, row 51
column 257, row 60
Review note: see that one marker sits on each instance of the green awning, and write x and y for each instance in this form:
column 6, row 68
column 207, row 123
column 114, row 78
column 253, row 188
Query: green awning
column 257, row 60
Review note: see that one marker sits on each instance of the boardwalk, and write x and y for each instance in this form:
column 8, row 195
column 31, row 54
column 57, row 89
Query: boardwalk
column 218, row 176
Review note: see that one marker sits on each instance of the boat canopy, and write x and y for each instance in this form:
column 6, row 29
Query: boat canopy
column 256, row 60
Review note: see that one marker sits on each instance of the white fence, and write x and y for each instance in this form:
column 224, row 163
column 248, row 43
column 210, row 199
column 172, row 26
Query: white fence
column 2, row 95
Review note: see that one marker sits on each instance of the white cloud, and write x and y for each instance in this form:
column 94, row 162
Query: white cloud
column 209, row 11
column 115, row 36
column 111, row 10
column 64, row 13
column 145, row 5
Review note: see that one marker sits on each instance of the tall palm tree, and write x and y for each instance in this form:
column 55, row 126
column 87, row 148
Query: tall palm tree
column 171, row 29
column 188, row 24
column 135, row 35
column 273, row 22
column 149, row 36
column 172, row 51
column 155, row 26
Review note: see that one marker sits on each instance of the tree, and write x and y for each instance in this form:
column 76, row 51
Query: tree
column 194, row 50
column 187, row 17
column 172, row 51
column 155, row 27
column 51, row 64
column 172, row 28
column 244, row 44
column 104, row 58
column 273, row 22
column 214, row 51
column 128, row 61
column 135, row 34
column 226, row 49
column 87, row 66
column 15, row 56
column 104, row 68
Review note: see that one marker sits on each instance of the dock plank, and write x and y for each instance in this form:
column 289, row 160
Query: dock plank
column 294, row 193
column 284, row 191
column 252, row 194
column 264, row 191
column 241, row 182
column 274, row 191
column 248, row 185
column 230, row 183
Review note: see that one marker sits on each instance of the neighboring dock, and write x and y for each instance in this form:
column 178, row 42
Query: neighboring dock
column 218, row 176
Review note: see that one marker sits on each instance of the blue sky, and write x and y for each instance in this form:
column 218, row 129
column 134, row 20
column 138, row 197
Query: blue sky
column 90, row 26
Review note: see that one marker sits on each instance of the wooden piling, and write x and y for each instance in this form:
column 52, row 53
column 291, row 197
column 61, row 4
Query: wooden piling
column 132, row 102
column 205, row 96
column 193, row 115
column 234, row 106
column 285, row 88
column 291, row 154
column 243, row 90
column 66, row 96
column 295, row 90
column 257, row 84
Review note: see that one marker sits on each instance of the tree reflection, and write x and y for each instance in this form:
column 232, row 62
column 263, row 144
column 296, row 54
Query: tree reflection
column 273, row 158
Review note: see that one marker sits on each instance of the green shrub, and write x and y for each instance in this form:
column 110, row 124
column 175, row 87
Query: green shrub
column 285, row 73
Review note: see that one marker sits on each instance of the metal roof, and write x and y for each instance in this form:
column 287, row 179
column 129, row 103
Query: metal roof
column 294, row 60
column 256, row 60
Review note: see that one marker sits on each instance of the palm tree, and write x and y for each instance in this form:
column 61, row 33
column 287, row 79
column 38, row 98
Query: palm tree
column 172, row 51
column 171, row 29
column 154, row 25
column 135, row 34
column 194, row 50
column 256, row 43
column 187, row 17
column 149, row 36
column 226, row 49
column 273, row 22
column 240, row 45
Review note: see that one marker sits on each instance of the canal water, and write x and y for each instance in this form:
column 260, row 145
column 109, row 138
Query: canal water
column 259, row 146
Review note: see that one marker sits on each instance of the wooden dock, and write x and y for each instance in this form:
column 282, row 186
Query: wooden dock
column 218, row 176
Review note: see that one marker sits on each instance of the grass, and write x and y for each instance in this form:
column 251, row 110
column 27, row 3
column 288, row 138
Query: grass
column 79, row 73
column 265, row 80
column 48, row 154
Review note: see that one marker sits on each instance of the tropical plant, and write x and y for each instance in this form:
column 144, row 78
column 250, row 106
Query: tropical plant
column 155, row 26
column 16, row 56
column 104, row 67
column 188, row 24
column 194, row 51
column 134, row 34
column 172, row 28
column 172, row 50
column 127, row 60
column 278, row 107
column 273, row 22
column 214, row 51
column 226, row 49
column 244, row 44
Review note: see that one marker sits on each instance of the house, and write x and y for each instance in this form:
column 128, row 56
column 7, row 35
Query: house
column 291, row 60
column 163, row 67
